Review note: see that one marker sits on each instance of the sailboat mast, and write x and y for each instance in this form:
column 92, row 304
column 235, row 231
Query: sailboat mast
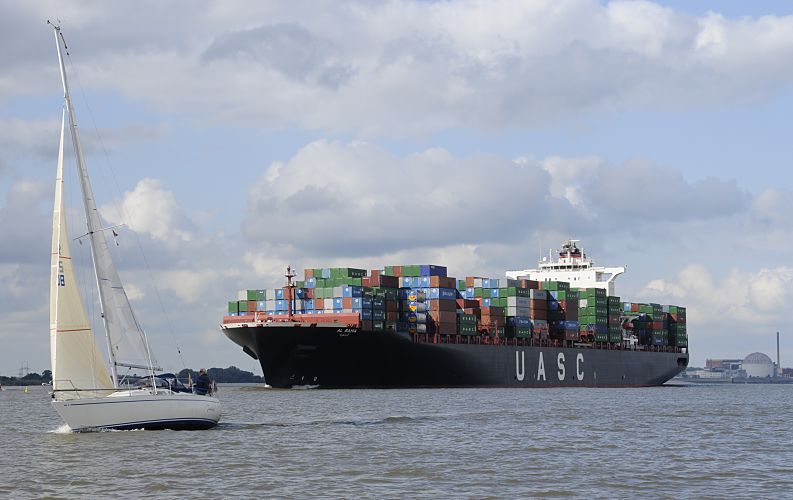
column 91, row 213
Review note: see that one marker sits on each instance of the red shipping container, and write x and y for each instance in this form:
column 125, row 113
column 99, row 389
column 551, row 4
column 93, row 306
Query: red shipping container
column 476, row 311
column 319, row 303
column 251, row 305
column 442, row 282
column 366, row 281
column 441, row 305
column 346, row 303
column 492, row 320
column 383, row 280
column 467, row 303
column 397, row 271
column 375, row 272
column 538, row 304
column 443, row 316
column 538, row 314
column 391, row 316
column 530, row 284
column 308, row 273
column 446, row 328
column 493, row 311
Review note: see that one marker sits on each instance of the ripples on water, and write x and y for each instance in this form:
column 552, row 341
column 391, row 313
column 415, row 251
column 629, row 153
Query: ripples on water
column 712, row 441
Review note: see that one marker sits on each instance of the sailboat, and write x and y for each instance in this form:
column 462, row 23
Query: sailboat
column 84, row 393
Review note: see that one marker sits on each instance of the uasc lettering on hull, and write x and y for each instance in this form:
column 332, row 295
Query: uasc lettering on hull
column 520, row 366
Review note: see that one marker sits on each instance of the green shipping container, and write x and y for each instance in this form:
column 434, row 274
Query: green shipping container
column 466, row 329
column 234, row 306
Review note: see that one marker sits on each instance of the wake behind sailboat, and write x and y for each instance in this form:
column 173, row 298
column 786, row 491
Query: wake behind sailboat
column 84, row 394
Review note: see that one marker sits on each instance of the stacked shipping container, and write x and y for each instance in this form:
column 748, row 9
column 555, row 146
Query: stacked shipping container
column 423, row 299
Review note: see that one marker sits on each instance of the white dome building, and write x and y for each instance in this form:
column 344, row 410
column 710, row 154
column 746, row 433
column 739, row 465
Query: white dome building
column 758, row 364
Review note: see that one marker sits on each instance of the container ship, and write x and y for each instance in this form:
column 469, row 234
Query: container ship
column 414, row 326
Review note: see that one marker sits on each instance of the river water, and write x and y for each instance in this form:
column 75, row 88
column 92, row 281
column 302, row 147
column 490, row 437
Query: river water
column 668, row 442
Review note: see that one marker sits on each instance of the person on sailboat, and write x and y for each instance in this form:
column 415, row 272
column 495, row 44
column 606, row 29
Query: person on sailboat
column 201, row 386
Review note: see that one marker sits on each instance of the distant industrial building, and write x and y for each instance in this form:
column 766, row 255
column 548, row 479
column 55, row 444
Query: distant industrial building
column 758, row 365
column 754, row 366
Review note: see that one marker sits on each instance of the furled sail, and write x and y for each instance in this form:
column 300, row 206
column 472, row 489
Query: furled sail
column 78, row 369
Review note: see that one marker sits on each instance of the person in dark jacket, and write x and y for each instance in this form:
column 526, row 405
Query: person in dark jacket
column 202, row 385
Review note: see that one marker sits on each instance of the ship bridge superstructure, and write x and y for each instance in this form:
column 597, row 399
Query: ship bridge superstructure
column 572, row 265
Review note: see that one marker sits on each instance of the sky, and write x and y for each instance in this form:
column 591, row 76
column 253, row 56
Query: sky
column 233, row 138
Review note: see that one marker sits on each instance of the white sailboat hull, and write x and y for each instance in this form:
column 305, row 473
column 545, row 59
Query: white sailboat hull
column 141, row 409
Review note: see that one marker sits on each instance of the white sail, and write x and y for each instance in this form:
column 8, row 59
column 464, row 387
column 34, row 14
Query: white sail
column 127, row 342
column 78, row 370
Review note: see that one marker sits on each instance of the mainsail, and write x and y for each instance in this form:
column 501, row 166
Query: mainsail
column 78, row 370
column 126, row 339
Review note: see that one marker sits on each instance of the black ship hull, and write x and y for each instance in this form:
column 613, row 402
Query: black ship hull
column 333, row 357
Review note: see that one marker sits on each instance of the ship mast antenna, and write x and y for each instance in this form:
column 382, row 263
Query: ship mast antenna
column 290, row 288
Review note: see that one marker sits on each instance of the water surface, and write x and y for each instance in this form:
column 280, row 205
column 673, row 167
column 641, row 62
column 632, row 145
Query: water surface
column 668, row 442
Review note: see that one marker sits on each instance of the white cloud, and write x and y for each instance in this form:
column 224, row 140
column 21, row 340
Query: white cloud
column 357, row 199
column 189, row 285
column 427, row 66
column 151, row 208
column 23, row 224
column 740, row 301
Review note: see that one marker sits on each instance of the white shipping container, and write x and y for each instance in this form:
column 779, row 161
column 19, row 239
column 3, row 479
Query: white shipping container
column 269, row 294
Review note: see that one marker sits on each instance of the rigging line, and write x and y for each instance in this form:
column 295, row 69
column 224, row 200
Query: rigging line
column 122, row 211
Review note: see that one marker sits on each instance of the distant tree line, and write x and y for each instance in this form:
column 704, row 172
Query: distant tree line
column 230, row 375
column 29, row 379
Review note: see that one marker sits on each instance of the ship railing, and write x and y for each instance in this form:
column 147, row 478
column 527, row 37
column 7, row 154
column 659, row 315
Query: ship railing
column 485, row 339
